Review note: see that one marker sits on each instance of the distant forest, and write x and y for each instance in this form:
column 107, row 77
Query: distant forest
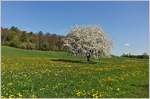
column 15, row 37
column 29, row 40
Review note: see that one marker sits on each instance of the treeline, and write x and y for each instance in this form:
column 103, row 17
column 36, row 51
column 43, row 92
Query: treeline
column 29, row 40
column 144, row 55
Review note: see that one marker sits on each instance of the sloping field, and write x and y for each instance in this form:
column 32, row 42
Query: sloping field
column 31, row 73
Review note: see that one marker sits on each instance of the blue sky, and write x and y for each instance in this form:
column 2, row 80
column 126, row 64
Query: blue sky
column 126, row 23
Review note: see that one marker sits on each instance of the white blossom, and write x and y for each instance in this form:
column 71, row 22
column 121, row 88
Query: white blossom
column 82, row 39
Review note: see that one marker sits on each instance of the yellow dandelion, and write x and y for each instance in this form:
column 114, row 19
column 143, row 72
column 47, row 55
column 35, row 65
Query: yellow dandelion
column 11, row 96
column 100, row 95
column 9, row 84
column 118, row 89
column 3, row 97
column 95, row 95
column 78, row 93
column 93, row 90
column 33, row 96
column 19, row 94
column 122, row 78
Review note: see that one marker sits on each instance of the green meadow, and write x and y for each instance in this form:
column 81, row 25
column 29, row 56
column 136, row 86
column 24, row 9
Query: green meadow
column 43, row 74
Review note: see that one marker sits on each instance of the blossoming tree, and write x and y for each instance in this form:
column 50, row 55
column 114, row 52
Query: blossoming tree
column 88, row 41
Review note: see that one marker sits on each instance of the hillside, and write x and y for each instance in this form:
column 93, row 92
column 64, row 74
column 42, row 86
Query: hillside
column 33, row 73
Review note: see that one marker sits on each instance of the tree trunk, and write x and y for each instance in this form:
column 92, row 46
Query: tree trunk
column 88, row 58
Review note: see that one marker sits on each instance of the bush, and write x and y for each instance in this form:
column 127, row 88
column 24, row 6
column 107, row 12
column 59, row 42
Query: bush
column 14, row 43
column 136, row 56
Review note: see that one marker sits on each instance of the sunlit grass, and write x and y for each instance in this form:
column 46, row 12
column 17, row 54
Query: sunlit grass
column 37, row 74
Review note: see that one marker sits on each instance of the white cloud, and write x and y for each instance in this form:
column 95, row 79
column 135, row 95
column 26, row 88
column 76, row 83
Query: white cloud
column 126, row 44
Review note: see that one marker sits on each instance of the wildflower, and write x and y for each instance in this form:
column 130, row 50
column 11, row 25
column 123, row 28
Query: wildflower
column 19, row 94
column 109, row 79
column 118, row 89
column 122, row 78
column 56, row 74
column 93, row 90
column 9, row 84
column 33, row 96
column 78, row 93
column 3, row 97
column 11, row 96
column 42, row 89
column 95, row 95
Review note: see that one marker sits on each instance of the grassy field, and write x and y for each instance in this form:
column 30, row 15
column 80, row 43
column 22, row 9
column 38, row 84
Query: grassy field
column 27, row 73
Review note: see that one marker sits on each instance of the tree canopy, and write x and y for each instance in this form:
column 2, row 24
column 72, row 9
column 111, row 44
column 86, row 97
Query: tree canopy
column 29, row 40
column 88, row 40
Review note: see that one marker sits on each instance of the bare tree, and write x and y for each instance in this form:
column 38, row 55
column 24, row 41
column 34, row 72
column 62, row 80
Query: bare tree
column 88, row 41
